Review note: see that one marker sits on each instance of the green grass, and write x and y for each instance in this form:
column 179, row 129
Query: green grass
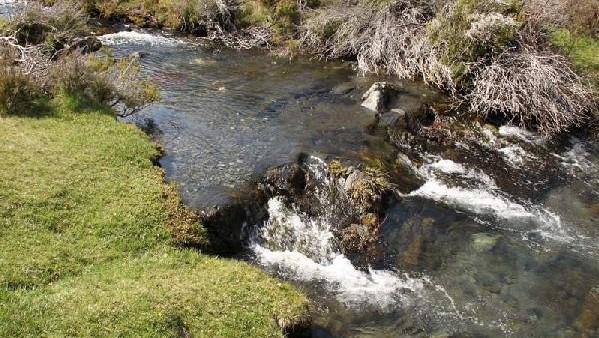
column 86, row 248
column 582, row 50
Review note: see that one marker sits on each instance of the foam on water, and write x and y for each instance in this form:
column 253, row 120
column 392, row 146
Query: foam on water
column 476, row 200
column 133, row 37
column 302, row 248
column 473, row 191
column 439, row 165
column 286, row 230
column 577, row 157
column 355, row 288
column 514, row 155
column 520, row 133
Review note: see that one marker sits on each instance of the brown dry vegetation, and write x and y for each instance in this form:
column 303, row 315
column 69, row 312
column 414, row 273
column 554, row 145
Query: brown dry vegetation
column 44, row 52
column 493, row 57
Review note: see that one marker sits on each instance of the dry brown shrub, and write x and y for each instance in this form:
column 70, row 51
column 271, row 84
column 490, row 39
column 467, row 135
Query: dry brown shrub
column 391, row 40
column 535, row 89
column 579, row 15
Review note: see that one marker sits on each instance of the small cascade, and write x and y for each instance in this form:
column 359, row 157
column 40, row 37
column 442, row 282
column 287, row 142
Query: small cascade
column 475, row 192
column 139, row 38
column 304, row 248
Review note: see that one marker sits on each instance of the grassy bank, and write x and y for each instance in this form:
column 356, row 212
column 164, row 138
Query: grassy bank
column 581, row 49
column 85, row 236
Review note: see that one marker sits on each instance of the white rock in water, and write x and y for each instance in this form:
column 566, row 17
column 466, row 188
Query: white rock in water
column 377, row 96
column 374, row 99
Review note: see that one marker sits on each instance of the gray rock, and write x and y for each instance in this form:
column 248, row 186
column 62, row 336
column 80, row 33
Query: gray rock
column 378, row 96
column 389, row 119
column 86, row 45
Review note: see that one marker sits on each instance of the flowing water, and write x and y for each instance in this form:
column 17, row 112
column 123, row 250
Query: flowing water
column 498, row 237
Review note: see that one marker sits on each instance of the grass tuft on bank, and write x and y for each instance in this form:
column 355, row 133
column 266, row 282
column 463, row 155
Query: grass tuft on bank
column 582, row 50
column 86, row 225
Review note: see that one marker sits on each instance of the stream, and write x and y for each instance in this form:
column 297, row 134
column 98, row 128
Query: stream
column 494, row 236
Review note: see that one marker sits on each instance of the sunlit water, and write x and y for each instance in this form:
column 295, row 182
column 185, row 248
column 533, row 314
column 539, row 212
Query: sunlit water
column 500, row 239
column 226, row 116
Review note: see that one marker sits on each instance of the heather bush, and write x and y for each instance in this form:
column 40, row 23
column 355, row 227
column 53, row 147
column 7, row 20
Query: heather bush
column 53, row 28
column 534, row 89
column 103, row 79
column 580, row 16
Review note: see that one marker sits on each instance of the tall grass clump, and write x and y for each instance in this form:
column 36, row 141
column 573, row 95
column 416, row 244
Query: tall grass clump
column 199, row 17
column 533, row 89
column 391, row 40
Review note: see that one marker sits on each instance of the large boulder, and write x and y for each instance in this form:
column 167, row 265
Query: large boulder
column 286, row 180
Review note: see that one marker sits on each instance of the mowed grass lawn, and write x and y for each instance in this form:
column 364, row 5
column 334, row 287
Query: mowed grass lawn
column 85, row 247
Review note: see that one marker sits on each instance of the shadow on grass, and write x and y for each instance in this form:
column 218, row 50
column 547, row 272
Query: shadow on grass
column 78, row 102
column 69, row 103
column 35, row 108
column 59, row 106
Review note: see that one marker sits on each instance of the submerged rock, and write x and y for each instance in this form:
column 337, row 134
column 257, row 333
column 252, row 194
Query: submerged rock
column 588, row 318
column 483, row 242
column 343, row 89
column 358, row 237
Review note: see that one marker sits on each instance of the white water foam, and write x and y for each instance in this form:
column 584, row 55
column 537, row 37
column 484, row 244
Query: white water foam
column 133, row 37
column 521, row 134
column 485, row 199
column 577, row 157
column 303, row 250
column 515, row 155
column 355, row 288
column 439, row 165
column 478, row 201
column 287, row 230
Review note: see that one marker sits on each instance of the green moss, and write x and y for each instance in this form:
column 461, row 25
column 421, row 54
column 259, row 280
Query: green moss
column 449, row 32
column 85, row 236
column 582, row 50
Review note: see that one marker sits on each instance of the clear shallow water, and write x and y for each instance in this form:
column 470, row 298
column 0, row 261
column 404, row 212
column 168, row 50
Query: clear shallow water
column 501, row 239
column 227, row 116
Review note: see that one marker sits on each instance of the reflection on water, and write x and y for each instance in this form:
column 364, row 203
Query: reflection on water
column 497, row 237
